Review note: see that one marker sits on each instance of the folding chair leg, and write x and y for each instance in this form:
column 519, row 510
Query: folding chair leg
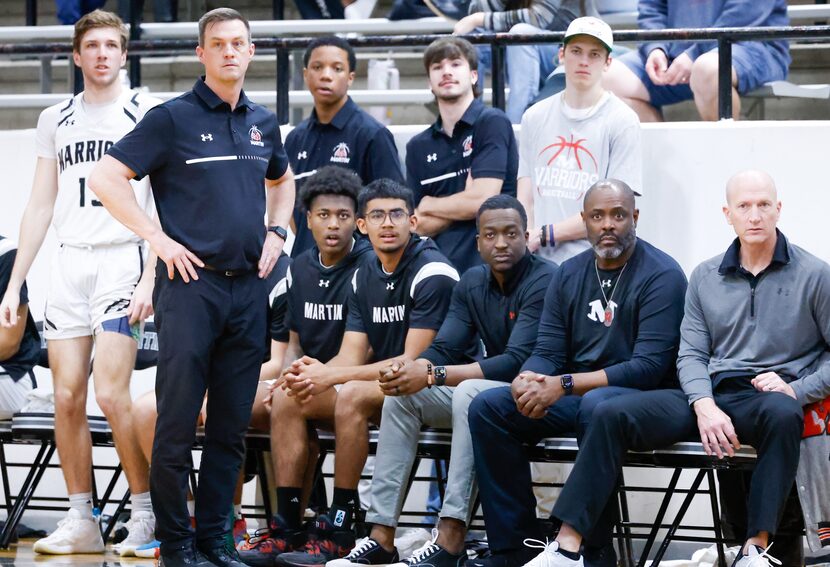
column 116, row 474
column 661, row 513
column 678, row 518
column 5, row 472
column 39, row 466
column 114, row 518
column 624, row 537
column 713, row 498
column 262, row 476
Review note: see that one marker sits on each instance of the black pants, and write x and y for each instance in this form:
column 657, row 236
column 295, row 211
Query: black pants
column 500, row 437
column 211, row 338
column 770, row 422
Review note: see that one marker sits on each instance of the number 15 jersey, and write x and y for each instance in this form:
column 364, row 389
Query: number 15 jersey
column 77, row 134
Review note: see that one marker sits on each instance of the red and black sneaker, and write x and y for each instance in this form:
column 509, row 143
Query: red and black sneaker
column 263, row 548
column 325, row 543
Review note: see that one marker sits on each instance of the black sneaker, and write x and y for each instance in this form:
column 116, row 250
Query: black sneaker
column 324, row 544
column 366, row 552
column 186, row 556
column 223, row 555
column 433, row 555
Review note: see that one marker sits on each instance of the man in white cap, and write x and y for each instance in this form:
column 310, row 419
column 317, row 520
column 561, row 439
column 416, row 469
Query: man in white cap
column 573, row 139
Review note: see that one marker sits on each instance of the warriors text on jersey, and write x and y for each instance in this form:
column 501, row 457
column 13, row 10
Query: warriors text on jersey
column 76, row 135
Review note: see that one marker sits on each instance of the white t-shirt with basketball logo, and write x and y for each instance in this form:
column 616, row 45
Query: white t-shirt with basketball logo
column 77, row 134
column 564, row 151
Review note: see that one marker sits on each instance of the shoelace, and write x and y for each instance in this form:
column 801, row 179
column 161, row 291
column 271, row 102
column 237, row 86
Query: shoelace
column 360, row 546
column 259, row 536
column 764, row 555
column 425, row 550
column 545, row 546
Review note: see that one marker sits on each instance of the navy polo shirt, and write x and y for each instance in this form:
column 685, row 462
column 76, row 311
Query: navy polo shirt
column 437, row 165
column 506, row 320
column 207, row 164
column 354, row 140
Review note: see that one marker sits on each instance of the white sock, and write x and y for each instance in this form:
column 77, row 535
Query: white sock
column 237, row 511
column 82, row 503
column 191, row 507
column 141, row 502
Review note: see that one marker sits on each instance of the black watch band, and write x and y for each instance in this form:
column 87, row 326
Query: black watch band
column 440, row 373
column 567, row 384
column 279, row 231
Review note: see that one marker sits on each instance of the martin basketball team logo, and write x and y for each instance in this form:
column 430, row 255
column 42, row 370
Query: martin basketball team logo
column 467, row 146
column 256, row 136
column 566, row 169
column 341, row 153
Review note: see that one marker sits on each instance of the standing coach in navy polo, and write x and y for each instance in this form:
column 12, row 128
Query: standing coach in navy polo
column 338, row 132
column 217, row 164
column 468, row 155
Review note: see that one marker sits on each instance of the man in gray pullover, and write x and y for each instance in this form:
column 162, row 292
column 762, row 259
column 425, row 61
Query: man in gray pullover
column 756, row 324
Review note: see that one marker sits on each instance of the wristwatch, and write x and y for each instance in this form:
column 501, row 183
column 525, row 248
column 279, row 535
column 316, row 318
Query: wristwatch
column 567, row 384
column 440, row 373
column 279, row 231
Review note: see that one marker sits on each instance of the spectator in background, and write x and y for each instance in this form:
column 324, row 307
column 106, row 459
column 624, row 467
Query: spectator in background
column 571, row 140
column 338, row 132
column 527, row 65
column 163, row 10
column 661, row 73
column 468, row 155
column 70, row 11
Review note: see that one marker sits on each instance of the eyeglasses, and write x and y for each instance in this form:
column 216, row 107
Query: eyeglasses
column 377, row 216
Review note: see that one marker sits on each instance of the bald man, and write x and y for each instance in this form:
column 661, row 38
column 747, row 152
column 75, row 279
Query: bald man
column 610, row 326
column 756, row 326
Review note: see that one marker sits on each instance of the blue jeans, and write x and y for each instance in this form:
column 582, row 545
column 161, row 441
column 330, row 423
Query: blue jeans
column 527, row 68
column 70, row 11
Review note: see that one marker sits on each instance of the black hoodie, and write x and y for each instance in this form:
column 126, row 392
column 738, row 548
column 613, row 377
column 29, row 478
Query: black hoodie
column 416, row 295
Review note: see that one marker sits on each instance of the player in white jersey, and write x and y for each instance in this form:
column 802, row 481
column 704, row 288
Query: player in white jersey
column 97, row 293
column 573, row 139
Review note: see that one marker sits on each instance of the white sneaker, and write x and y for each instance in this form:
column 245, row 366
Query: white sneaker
column 141, row 529
column 75, row 534
column 550, row 556
column 411, row 540
column 755, row 558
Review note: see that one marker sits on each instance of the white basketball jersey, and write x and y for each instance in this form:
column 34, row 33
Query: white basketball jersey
column 77, row 134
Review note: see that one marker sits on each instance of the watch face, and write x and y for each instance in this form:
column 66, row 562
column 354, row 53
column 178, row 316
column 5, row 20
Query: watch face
column 440, row 372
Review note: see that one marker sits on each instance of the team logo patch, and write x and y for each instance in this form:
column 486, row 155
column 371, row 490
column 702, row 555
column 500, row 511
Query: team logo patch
column 207, row 137
column 256, row 136
column 341, row 153
column 302, row 155
column 467, row 146
column 432, row 157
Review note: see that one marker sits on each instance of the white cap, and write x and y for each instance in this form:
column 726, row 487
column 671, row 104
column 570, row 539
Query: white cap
column 591, row 26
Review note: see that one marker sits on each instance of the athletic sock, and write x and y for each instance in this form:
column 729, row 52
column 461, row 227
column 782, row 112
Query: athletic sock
column 572, row 555
column 288, row 506
column 141, row 502
column 82, row 503
column 344, row 502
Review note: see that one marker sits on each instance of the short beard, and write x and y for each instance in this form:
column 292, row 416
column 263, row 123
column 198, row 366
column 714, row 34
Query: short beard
column 625, row 242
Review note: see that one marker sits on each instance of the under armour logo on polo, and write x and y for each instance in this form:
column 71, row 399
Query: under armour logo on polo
column 207, row 137
column 432, row 157
column 302, row 155
column 606, row 283
column 324, row 283
column 390, row 285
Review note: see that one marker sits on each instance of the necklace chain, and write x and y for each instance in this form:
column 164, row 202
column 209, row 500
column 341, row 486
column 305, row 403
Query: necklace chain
column 608, row 298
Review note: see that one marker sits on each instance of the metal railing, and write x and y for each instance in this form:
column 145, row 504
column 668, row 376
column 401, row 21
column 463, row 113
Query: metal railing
column 724, row 37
